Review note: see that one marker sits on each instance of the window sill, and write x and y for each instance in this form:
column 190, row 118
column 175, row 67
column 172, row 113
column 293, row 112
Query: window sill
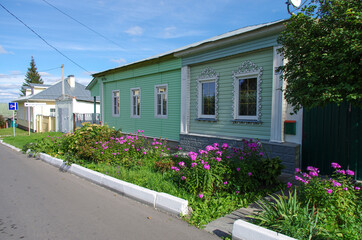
column 246, row 121
column 206, row 119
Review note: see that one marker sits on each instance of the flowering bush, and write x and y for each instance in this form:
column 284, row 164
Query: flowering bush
column 336, row 199
column 220, row 168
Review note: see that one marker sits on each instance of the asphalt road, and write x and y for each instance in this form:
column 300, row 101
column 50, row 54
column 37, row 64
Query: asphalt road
column 38, row 201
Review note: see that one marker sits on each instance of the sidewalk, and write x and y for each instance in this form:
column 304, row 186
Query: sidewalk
column 223, row 227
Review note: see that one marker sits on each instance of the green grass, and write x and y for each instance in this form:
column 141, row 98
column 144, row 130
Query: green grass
column 22, row 138
column 8, row 132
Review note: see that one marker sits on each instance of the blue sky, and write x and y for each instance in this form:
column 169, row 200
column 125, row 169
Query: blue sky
column 135, row 29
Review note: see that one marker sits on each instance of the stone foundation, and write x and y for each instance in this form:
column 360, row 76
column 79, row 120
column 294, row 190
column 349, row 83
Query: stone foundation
column 289, row 153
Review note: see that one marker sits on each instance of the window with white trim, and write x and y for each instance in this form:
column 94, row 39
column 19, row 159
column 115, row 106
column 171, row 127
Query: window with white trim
column 115, row 103
column 135, row 102
column 247, row 92
column 161, row 101
column 207, row 94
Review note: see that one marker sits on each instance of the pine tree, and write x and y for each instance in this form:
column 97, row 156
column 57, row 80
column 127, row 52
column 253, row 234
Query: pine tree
column 32, row 76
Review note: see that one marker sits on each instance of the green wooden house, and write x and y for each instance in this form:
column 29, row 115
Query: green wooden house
column 144, row 95
column 223, row 89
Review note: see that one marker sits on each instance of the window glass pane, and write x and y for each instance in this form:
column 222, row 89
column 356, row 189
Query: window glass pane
column 164, row 105
column 208, row 98
column 247, row 97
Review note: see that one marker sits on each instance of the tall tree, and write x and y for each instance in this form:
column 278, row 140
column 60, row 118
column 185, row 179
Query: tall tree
column 32, row 76
column 323, row 46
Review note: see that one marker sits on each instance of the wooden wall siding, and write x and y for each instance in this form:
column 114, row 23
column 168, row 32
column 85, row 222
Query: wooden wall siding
column 224, row 126
column 154, row 127
column 95, row 89
column 244, row 47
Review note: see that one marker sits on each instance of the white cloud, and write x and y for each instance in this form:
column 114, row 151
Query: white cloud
column 120, row 61
column 173, row 32
column 135, row 31
column 3, row 51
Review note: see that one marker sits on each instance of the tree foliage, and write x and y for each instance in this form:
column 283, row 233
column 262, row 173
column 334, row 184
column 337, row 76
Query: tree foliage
column 323, row 46
column 32, row 76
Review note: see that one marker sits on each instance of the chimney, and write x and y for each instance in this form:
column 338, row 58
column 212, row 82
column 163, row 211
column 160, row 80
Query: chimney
column 71, row 81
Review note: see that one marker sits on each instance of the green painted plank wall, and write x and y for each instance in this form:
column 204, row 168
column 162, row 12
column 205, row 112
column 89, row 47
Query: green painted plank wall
column 95, row 89
column 224, row 126
column 145, row 78
column 243, row 47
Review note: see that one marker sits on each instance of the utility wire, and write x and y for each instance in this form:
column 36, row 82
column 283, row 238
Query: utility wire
column 44, row 39
column 94, row 31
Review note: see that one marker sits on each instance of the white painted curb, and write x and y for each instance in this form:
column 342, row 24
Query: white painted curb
column 140, row 194
column 86, row 173
column 114, row 184
column 171, row 204
column 11, row 146
column 247, row 231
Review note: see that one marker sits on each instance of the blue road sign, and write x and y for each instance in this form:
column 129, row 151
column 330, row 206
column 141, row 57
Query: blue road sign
column 13, row 106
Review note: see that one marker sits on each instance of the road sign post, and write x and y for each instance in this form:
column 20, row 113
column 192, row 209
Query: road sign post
column 13, row 106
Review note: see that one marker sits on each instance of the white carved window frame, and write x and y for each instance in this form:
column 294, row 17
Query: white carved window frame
column 247, row 70
column 207, row 75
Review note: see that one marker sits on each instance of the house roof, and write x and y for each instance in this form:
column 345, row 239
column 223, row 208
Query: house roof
column 55, row 91
column 218, row 38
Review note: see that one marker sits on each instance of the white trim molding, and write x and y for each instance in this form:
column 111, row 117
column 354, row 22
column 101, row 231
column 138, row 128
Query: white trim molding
column 208, row 75
column 276, row 130
column 247, row 70
column 185, row 96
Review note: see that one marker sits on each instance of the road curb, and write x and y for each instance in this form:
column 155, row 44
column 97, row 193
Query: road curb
column 243, row 230
column 162, row 201
column 10, row 146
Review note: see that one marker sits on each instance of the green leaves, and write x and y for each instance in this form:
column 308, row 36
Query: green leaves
column 323, row 48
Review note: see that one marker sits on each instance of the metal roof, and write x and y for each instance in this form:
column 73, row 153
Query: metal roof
column 197, row 44
column 55, row 91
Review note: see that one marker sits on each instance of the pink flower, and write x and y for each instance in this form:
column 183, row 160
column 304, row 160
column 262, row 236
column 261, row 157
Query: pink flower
column 175, row 155
column 335, row 165
column 209, row 148
column 345, row 189
column 341, row 171
column 126, row 149
column 357, row 188
column 225, row 182
column 193, row 156
column 181, row 164
column 218, row 159
column 219, row 153
column 101, row 152
column 183, row 178
column 350, row 172
column 238, row 169
column 114, row 154
column 249, row 173
column 289, row 185
column 193, row 164
column 145, row 153
column 329, row 191
column 201, row 195
column 207, row 166
column 225, row 145
column 336, row 184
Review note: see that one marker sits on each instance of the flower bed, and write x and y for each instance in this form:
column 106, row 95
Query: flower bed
column 320, row 208
column 215, row 180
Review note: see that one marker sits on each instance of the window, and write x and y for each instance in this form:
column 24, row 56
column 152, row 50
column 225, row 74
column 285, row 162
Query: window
column 207, row 94
column 135, row 102
column 247, row 92
column 115, row 103
column 52, row 112
column 161, row 101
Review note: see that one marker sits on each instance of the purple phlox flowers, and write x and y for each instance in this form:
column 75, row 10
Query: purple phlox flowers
column 336, row 184
column 289, row 185
column 350, row 172
column 329, row 191
column 193, row 156
column 218, row 159
column 193, row 164
column 207, row 166
column 226, row 182
column 181, row 164
column 209, row 148
column 249, row 173
column 183, row 178
column 176, row 169
column 335, row 165
column 224, row 146
column 341, row 171
column 202, row 151
column 219, row 153
column 238, row 169
column 201, row 195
